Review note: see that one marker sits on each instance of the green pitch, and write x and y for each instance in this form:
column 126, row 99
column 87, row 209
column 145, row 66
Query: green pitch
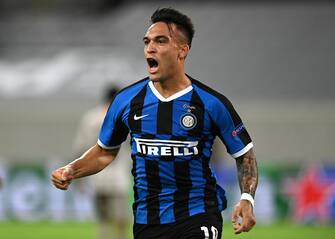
column 71, row 230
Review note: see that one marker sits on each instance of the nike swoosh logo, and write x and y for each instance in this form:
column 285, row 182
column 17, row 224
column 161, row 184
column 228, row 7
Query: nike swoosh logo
column 139, row 117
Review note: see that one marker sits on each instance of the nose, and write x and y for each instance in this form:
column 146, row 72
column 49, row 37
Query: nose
column 150, row 47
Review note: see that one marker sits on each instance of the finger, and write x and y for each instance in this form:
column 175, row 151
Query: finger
column 57, row 182
column 56, row 179
column 238, row 228
column 62, row 186
column 249, row 224
column 57, row 173
column 60, row 182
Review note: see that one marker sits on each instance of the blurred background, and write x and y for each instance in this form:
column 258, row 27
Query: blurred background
column 273, row 59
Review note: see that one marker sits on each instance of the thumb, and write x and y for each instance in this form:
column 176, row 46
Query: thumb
column 67, row 173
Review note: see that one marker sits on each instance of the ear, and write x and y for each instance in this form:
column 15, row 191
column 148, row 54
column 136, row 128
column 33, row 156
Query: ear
column 183, row 51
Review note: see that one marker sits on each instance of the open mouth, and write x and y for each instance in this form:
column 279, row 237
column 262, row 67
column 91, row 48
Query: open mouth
column 152, row 63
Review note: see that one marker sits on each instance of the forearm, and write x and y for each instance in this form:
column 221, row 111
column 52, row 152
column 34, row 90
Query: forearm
column 92, row 161
column 247, row 172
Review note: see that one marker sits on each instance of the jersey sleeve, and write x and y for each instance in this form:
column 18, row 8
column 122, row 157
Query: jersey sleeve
column 231, row 129
column 113, row 131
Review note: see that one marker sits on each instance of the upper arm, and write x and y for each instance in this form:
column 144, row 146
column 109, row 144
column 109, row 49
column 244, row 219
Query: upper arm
column 108, row 152
column 113, row 131
column 106, row 156
column 230, row 128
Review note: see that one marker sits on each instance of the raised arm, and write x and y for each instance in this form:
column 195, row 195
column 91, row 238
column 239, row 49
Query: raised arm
column 248, row 179
column 91, row 162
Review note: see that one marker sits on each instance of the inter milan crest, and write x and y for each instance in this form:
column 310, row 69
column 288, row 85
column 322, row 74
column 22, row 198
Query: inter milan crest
column 188, row 121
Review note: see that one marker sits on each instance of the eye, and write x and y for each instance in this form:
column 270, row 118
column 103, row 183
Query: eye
column 146, row 41
column 161, row 40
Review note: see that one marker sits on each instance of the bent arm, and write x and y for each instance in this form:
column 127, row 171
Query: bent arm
column 247, row 173
column 92, row 161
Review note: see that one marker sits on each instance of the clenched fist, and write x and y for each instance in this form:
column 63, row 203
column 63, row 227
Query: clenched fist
column 62, row 177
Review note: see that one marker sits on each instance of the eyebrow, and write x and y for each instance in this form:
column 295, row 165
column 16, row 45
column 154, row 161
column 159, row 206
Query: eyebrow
column 156, row 37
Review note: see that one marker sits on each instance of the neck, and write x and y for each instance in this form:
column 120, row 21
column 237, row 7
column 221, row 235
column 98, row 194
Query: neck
column 171, row 86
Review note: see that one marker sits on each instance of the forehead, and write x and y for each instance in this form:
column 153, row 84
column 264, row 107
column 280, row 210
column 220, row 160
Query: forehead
column 160, row 29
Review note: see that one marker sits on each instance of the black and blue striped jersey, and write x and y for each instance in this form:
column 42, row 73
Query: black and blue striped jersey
column 171, row 146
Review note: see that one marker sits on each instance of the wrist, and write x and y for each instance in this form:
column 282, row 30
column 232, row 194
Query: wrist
column 248, row 197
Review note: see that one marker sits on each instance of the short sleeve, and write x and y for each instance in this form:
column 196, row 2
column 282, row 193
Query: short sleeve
column 230, row 128
column 113, row 131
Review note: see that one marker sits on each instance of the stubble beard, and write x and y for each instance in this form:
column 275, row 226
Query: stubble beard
column 158, row 79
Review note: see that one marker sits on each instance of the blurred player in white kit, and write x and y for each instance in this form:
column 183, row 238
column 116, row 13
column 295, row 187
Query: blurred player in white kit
column 112, row 184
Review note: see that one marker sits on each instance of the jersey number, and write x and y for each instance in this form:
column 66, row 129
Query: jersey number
column 215, row 232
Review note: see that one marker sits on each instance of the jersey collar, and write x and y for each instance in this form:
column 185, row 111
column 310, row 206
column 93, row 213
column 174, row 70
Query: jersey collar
column 172, row 97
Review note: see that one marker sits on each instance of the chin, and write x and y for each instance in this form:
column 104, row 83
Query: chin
column 154, row 78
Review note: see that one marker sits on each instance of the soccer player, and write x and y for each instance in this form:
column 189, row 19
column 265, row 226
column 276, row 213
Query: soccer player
column 173, row 120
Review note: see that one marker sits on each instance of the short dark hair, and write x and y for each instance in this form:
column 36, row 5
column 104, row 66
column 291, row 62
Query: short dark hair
column 170, row 15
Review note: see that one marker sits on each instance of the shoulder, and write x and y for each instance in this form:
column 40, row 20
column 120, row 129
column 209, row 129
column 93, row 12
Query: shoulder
column 210, row 96
column 125, row 95
column 130, row 91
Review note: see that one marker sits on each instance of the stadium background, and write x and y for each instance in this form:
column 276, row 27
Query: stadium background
column 273, row 59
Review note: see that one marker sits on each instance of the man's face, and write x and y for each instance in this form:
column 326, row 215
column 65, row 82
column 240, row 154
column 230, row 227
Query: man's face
column 162, row 51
